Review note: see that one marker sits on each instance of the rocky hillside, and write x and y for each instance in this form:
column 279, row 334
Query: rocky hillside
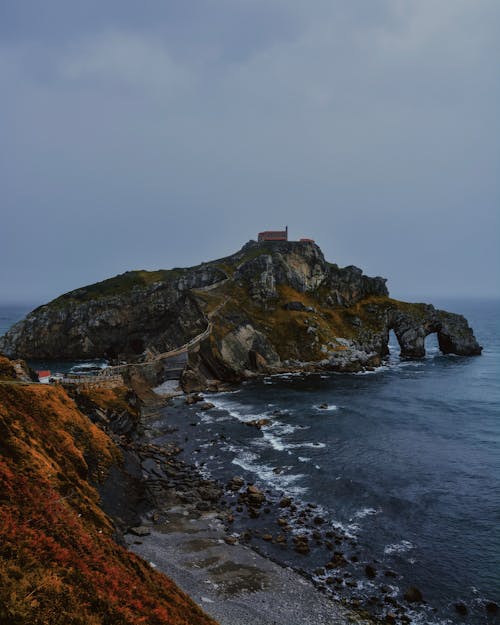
column 271, row 306
column 59, row 563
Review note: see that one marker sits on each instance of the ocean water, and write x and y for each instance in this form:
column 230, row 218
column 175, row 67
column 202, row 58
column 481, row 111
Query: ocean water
column 406, row 459
column 10, row 313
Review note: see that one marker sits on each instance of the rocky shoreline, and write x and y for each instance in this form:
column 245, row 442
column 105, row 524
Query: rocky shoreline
column 183, row 524
column 218, row 540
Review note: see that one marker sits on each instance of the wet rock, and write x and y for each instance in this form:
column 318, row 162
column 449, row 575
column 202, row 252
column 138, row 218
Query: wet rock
column 301, row 544
column 206, row 405
column 140, row 530
column 254, row 496
column 258, row 423
column 203, row 506
column 461, row 608
column 267, row 537
column 491, row 607
column 286, row 502
column 390, row 573
column 413, row 595
column 192, row 381
column 390, row 618
column 231, row 540
column 236, row 483
column 323, row 406
column 338, row 559
column 193, row 399
column 370, row 571
column 209, row 493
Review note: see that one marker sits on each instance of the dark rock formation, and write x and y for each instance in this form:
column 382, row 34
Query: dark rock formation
column 271, row 307
column 413, row 325
column 413, row 595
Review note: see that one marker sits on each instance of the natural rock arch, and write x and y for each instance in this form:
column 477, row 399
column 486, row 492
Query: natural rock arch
column 411, row 328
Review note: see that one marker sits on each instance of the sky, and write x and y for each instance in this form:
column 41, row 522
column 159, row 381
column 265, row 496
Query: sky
column 158, row 134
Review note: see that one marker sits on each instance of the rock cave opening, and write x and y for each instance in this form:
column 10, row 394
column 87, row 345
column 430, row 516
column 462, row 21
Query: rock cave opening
column 394, row 347
column 432, row 345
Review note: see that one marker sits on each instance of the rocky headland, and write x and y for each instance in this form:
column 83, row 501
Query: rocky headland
column 269, row 308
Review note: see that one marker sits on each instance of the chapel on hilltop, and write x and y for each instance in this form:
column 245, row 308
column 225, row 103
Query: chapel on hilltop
column 273, row 235
column 278, row 235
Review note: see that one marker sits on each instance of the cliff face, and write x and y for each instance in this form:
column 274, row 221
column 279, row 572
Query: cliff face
column 271, row 306
column 117, row 318
column 58, row 560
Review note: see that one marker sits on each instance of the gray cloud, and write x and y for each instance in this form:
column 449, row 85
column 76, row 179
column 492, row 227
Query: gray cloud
column 152, row 137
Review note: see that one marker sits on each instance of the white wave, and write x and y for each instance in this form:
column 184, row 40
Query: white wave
column 422, row 616
column 232, row 408
column 329, row 408
column 204, row 417
column 364, row 512
column 273, row 434
column 303, row 459
column 375, row 371
column 224, row 393
column 284, row 376
column 401, row 547
column 349, row 529
column 276, row 442
column 279, row 481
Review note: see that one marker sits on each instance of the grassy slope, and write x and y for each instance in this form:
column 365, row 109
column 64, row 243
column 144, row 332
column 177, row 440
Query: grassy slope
column 289, row 329
column 58, row 561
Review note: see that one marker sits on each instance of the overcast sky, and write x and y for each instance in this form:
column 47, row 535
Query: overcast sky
column 162, row 133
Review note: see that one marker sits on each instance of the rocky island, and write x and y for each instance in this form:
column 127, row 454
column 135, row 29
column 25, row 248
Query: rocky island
column 273, row 306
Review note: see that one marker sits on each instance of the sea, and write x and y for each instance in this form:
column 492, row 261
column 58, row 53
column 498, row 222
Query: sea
column 405, row 459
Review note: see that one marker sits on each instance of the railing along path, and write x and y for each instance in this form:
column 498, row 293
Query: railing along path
column 119, row 369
